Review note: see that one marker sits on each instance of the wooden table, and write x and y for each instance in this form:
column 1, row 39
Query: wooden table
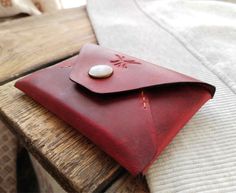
column 35, row 42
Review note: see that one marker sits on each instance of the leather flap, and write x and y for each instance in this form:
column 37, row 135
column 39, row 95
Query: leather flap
column 129, row 73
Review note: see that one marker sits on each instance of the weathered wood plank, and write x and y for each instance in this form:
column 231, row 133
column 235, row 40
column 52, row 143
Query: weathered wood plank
column 32, row 43
column 37, row 41
column 77, row 164
column 129, row 184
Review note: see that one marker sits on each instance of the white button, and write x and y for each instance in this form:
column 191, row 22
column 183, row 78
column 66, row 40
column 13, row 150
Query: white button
column 100, row 71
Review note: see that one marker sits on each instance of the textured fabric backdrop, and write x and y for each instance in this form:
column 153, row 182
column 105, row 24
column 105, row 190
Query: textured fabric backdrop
column 197, row 38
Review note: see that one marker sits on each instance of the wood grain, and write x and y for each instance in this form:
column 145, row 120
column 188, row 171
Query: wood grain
column 34, row 42
column 77, row 164
column 129, row 184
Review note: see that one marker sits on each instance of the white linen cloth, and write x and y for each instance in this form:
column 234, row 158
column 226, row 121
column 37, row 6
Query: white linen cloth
column 197, row 38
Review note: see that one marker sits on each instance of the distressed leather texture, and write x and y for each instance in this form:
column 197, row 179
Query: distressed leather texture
column 132, row 115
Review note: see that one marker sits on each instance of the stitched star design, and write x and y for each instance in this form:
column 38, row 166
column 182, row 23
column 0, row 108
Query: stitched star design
column 121, row 61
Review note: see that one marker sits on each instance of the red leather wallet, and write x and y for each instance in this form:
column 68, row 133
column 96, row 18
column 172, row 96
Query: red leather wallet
column 131, row 115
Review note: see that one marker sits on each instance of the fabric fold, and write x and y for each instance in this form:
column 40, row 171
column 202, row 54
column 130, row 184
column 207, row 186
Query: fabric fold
column 201, row 158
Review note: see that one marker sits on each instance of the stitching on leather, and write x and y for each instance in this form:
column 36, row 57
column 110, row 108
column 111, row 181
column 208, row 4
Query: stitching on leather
column 65, row 66
column 144, row 100
column 203, row 60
